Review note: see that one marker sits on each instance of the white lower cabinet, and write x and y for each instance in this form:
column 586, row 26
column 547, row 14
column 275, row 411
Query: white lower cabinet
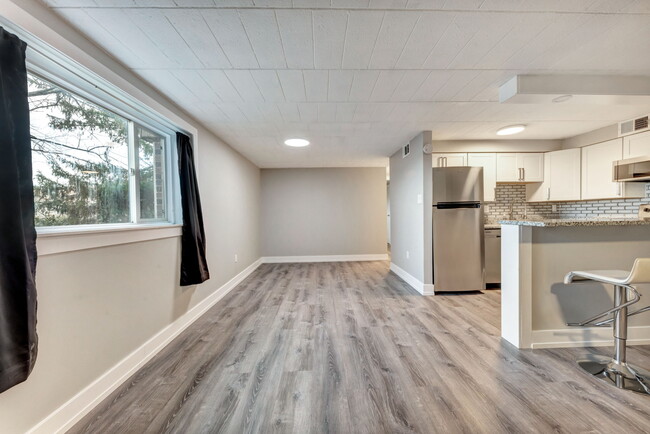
column 597, row 168
column 561, row 178
column 488, row 161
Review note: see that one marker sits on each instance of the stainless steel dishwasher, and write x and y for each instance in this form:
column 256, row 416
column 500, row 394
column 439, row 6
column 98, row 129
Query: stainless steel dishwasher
column 493, row 256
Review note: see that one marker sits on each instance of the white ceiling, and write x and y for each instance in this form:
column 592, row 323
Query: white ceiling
column 358, row 78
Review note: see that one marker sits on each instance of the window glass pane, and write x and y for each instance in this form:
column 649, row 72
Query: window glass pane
column 151, row 152
column 80, row 159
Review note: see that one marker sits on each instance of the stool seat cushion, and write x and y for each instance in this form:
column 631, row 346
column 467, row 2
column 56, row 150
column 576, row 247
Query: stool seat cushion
column 640, row 273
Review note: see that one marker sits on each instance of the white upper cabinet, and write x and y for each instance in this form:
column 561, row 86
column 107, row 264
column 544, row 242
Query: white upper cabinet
column 636, row 145
column 561, row 178
column 532, row 166
column 449, row 159
column 488, row 161
column 597, row 162
column 564, row 173
column 541, row 192
column 507, row 169
column 520, row 167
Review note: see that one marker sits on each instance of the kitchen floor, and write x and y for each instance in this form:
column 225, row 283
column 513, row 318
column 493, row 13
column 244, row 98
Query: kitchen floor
column 349, row 347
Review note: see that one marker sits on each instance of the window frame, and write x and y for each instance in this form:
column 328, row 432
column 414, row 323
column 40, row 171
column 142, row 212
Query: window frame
column 100, row 93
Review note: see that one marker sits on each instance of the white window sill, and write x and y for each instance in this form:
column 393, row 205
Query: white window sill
column 53, row 240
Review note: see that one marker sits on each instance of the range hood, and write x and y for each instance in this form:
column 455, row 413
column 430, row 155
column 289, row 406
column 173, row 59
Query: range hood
column 632, row 169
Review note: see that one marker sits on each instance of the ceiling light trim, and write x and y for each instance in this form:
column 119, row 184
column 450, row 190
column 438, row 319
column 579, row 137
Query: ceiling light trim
column 510, row 130
column 297, row 143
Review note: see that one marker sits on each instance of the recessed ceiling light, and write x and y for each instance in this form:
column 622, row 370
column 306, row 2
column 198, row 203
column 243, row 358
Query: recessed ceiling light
column 511, row 129
column 562, row 98
column 296, row 143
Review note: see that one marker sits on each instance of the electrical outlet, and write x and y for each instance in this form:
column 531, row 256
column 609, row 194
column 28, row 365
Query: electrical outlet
column 408, row 255
column 419, row 198
column 236, row 258
column 554, row 208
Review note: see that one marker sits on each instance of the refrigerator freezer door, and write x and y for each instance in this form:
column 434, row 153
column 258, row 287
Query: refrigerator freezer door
column 458, row 249
column 457, row 184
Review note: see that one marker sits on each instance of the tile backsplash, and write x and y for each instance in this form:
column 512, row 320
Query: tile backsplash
column 591, row 209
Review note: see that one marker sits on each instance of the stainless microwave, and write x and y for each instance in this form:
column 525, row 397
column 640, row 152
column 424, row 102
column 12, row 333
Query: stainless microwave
column 632, row 169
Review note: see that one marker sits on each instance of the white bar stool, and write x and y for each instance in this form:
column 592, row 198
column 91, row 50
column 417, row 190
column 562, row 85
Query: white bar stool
column 616, row 369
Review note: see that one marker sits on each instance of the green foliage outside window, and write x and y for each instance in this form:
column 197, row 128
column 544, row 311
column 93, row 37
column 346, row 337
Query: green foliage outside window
column 80, row 156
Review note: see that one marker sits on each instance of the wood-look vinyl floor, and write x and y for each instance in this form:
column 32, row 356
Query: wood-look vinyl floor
column 350, row 348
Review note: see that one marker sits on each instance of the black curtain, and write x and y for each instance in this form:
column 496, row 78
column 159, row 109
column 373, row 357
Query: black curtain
column 18, row 340
column 194, row 267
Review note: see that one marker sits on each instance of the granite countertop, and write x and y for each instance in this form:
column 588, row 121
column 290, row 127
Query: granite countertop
column 550, row 223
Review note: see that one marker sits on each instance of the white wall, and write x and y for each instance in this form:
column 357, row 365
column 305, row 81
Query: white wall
column 323, row 211
column 589, row 138
column 512, row 145
column 410, row 179
column 97, row 306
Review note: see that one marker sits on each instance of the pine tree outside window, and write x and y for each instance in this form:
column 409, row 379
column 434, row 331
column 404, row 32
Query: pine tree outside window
column 92, row 166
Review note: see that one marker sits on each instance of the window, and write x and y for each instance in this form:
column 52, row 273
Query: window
column 149, row 147
column 92, row 166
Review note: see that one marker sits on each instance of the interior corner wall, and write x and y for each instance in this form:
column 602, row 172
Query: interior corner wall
column 410, row 200
column 591, row 137
column 323, row 212
column 510, row 145
column 97, row 306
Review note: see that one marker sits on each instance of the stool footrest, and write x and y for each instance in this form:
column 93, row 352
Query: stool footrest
column 636, row 298
column 609, row 321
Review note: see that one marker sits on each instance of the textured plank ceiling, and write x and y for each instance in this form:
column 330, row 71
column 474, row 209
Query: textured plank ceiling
column 358, row 78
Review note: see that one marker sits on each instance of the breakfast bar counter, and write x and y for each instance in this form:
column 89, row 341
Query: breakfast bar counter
column 537, row 254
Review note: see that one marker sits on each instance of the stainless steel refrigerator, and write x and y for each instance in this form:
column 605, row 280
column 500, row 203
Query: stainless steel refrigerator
column 458, row 230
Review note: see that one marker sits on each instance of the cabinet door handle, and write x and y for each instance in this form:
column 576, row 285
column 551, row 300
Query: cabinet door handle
column 548, row 193
column 523, row 173
column 445, row 161
column 620, row 189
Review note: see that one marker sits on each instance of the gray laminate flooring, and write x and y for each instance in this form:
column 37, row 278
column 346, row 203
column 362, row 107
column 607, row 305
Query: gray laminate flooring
column 349, row 347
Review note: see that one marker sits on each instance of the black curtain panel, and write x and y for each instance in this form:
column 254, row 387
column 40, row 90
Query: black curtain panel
column 18, row 340
column 194, row 267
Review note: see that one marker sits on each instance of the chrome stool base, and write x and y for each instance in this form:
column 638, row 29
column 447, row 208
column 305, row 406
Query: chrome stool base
column 622, row 375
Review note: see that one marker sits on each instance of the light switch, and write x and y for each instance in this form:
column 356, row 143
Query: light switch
column 419, row 198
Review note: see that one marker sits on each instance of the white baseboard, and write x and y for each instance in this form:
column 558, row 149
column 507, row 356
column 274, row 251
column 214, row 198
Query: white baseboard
column 63, row 418
column 422, row 288
column 326, row 258
column 587, row 337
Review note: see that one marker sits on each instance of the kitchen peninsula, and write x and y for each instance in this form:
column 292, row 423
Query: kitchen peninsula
column 536, row 255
